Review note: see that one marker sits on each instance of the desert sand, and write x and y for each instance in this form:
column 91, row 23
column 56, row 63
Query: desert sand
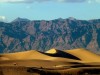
column 51, row 62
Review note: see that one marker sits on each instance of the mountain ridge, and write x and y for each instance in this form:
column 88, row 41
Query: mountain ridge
column 43, row 35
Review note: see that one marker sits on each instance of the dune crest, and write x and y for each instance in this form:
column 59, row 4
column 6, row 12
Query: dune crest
column 51, row 51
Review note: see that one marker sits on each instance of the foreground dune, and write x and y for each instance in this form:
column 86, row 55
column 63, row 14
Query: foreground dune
column 51, row 62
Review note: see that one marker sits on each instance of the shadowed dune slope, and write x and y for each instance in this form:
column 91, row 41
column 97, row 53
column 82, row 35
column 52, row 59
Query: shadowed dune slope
column 59, row 53
column 84, row 55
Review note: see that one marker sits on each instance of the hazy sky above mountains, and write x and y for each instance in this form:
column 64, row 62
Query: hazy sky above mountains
column 49, row 9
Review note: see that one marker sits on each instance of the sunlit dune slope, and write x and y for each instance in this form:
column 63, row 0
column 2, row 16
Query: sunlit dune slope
column 51, row 51
column 4, row 58
column 32, row 54
column 84, row 55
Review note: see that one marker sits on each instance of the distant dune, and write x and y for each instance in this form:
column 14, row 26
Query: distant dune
column 59, row 62
column 84, row 55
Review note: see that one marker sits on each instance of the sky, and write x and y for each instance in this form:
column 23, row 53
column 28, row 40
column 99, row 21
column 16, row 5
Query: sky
column 49, row 9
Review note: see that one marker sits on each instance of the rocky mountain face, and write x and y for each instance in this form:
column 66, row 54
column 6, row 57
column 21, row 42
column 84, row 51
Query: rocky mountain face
column 23, row 34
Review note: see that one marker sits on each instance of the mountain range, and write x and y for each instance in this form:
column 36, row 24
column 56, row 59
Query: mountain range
column 23, row 34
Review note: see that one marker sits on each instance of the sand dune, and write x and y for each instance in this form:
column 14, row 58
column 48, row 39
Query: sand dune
column 53, row 62
column 60, row 53
column 32, row 54
column 75, row 54
column 84, row 55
